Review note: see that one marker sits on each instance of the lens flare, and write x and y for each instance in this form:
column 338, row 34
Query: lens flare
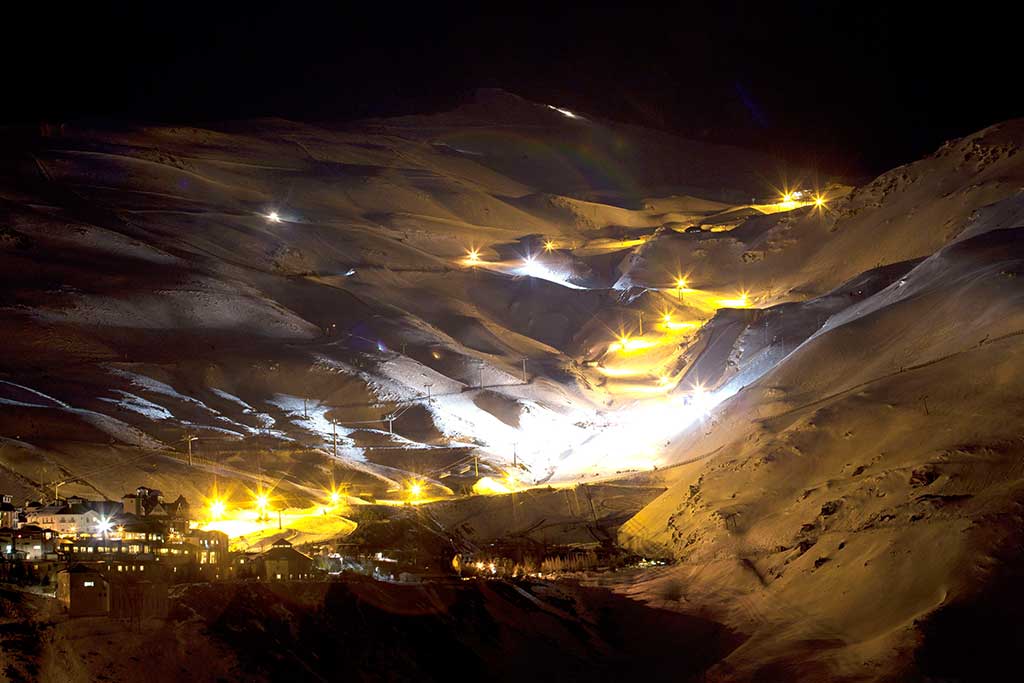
column 217, row 508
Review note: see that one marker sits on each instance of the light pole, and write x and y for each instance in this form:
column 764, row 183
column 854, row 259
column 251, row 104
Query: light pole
column 427, row 386
column 188, row 440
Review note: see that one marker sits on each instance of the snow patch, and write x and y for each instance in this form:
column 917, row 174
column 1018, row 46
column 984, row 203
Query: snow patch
column 140, row 405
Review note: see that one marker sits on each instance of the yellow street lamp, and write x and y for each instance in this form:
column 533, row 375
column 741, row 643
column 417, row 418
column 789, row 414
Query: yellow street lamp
column 681, row 284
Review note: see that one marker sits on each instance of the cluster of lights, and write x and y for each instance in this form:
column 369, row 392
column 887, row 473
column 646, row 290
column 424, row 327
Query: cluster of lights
column 488, row 566
column 798, row 198
column 668, row 324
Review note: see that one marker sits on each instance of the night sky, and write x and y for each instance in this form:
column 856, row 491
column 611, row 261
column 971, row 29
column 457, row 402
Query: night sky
column 851, row 88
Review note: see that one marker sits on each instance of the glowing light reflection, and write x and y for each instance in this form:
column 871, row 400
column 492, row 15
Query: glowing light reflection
column 487, row 486
column 631, row 344
column 742, row 301
column 533, row 267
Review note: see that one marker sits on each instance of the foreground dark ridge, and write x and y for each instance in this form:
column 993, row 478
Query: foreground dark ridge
column 359, row 629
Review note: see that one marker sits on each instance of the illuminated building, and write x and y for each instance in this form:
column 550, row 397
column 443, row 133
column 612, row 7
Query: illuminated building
column 284, row 563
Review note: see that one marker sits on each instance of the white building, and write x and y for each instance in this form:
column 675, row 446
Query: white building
column 65, row 519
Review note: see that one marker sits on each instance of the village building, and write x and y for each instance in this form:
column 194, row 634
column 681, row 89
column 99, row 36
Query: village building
column 86, row 591
column 283, row 563
column 208, row 547
column 65, row 519
column 29, row 542
column 149, row 503
column 147, row 545
column 8, row 513
column 83, row 591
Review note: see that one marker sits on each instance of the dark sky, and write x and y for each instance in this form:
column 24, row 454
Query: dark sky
column 851, row 88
